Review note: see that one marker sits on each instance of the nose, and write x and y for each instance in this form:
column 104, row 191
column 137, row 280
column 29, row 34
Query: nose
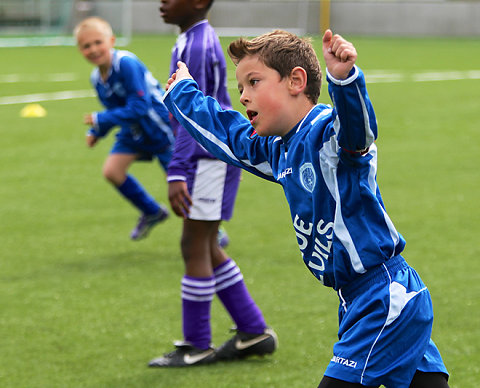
column 244, row 98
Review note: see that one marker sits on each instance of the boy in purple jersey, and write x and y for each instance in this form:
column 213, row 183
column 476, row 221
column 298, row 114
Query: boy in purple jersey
column 202, row 190
column 325, row 159
column 132, row 98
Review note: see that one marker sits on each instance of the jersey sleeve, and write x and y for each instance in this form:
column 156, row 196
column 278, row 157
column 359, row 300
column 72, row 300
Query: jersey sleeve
column 354, row 118
column 226, row 134
column 137, row 102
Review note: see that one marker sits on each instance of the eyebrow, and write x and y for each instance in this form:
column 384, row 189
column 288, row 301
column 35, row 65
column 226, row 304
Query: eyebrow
column 250, row 74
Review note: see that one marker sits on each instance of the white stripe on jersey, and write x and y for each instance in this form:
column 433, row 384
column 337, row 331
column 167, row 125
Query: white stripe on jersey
column 264, row 167
column 328, row 163
column 372, row 183
column 161, row 124
column 369, row 135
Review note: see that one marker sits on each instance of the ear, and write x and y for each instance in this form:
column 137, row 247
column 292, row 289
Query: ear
column 297, row 81
column 201, row 4
column 113, row 39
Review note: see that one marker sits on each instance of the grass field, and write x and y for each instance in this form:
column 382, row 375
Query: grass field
column 82, row 306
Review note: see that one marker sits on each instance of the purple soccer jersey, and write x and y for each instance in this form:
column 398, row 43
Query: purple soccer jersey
column 200, row 49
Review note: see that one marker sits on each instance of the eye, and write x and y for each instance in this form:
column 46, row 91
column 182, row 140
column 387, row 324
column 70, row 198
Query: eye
column 253, row 81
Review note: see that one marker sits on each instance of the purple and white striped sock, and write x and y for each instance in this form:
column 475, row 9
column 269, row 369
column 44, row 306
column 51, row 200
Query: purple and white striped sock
column 233, row 293
column 197, row 295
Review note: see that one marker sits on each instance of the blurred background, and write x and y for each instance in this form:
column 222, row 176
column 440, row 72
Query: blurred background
column 50, row 22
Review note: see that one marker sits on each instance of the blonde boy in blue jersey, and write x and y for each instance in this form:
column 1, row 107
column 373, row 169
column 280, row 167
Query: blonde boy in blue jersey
column 325, row 159
column 132, row 100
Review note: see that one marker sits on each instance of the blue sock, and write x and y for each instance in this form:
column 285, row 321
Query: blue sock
column 233, row 293
column 133, row 191
column 197, row 295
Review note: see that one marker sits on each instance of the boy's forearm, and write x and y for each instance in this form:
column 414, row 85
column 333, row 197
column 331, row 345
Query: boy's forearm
column 121, row 116
column 358, row 126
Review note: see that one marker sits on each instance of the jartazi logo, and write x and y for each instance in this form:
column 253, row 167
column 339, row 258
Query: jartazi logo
column 240, row 345
column 344, row 361
column 192, row 359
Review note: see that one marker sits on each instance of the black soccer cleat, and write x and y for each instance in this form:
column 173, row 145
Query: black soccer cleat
column 185, row 354
column 243, row 345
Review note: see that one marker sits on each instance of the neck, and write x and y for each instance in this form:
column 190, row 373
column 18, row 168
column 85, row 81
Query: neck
column 190, row 23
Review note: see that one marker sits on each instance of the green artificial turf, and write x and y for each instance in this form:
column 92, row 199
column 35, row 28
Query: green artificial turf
column 83, row 306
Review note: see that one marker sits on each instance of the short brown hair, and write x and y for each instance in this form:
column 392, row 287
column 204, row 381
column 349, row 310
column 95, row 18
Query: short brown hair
column 282, row 51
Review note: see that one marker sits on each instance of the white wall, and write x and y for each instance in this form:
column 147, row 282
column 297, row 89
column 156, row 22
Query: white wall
column 375, row 17
column 424, row 18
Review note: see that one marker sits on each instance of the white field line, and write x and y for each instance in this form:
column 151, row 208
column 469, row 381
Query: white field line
column 29, row 98
column 383, row 76
column 379, row 76
column 372, row 77
column 54, row 77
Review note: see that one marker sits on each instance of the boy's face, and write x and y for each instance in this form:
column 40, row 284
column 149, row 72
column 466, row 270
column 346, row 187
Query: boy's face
column 95, row 46
column 182, row 13
column 266, row 97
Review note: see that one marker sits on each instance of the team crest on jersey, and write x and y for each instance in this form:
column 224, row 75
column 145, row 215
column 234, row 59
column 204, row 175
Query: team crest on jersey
column 308, row 177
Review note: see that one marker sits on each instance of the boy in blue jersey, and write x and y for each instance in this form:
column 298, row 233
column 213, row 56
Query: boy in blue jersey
column 325, row 159
column 202, row 190
column 132, row 100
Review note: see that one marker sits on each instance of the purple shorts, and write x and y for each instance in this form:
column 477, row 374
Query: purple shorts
column 213, row 186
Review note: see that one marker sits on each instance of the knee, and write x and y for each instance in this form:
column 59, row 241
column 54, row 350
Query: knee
column 113, row 176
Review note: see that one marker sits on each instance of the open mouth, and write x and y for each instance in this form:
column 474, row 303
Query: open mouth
column 251, row 115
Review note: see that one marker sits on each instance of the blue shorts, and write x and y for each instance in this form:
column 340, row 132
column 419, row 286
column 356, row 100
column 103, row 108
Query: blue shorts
column 386, row 318
column 145, row 152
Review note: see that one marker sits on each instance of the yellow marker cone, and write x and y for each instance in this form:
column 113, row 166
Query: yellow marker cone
column 33, row 110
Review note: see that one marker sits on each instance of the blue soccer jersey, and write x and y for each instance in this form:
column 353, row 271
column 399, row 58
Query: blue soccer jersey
column 326, row 166
column 133, row 101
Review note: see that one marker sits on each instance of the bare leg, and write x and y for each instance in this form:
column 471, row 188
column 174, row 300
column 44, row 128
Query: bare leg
column 116, row 166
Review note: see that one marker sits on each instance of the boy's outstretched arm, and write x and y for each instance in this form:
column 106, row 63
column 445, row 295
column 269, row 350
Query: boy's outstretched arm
column 225, row 133
column 339, row 54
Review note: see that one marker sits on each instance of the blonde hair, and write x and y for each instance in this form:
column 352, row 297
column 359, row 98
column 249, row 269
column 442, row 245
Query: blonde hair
column 93, row 22
column 282, row 51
